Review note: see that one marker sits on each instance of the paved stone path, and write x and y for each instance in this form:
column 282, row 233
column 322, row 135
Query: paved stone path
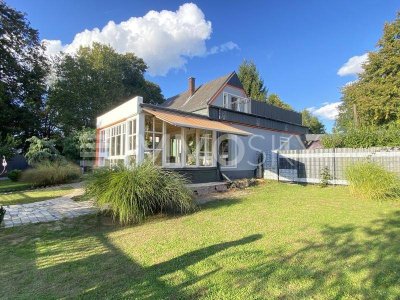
column 48, row 210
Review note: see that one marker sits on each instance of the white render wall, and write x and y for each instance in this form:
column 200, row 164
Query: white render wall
column 124, row 111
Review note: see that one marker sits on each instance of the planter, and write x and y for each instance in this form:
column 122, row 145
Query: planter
column 2, row 213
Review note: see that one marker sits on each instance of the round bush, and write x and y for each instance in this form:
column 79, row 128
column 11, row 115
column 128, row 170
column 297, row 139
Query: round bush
column 132, row 194
column 14, row 175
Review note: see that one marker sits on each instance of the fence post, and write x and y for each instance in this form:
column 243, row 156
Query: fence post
column 277, row 163
column 334, row 166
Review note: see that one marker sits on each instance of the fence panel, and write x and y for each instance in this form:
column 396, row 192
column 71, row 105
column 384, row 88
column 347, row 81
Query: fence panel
column 306, row 165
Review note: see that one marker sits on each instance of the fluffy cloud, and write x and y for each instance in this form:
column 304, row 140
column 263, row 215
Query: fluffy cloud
column 353, row 66
column 328, row 111
column 223, row 48
column 165, row 39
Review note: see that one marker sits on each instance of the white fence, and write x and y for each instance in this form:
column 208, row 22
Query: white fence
column 306, row 165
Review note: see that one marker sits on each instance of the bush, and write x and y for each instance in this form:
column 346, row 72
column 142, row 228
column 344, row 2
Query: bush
column 371, row 181
column 14, row 175
column 42, row 150
column 51, row 173
column 133, row 193
column 364, row 137
column 325, row 176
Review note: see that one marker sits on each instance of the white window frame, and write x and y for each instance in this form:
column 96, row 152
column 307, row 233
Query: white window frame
column 243, row 104
column 284, row 143
column 234, row 139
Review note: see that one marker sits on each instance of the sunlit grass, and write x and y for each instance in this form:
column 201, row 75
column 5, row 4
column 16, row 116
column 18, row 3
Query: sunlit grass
column 33, row 195
column 275, row 241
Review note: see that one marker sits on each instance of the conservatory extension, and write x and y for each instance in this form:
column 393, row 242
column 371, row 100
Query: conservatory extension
column 133, row 132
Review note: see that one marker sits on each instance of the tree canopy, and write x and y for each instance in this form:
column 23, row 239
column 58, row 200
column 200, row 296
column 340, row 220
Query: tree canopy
column 274, row 99
column 95, row 80
column 23, row 71
column 373, row 99
column 312, row 122
column 251, row 80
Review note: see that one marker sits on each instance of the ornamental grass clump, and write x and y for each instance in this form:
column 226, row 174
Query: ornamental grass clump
column 371, row 181
column 49, row 173
column 133, row 193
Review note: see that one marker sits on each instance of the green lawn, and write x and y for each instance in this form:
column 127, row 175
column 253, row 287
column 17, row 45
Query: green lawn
column 10, row 186
column 275, row 241
column 33, row 195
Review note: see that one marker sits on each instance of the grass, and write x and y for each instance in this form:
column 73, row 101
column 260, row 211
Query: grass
column 21, row 197
column 11, row 186
column 274, row 241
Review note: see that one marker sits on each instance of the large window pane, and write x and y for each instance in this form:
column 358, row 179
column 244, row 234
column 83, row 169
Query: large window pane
column 173, row 145
column 205, row 157
column 191, row 144
column 227, row 150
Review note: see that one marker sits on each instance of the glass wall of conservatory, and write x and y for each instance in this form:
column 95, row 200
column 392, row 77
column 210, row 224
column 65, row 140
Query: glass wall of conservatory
column 165, row 144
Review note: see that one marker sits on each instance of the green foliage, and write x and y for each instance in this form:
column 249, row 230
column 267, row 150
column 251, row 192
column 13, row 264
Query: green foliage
column 325, row 176
column 251, row 80
column 371, row 181
column 364, row 138
column 95, row 80
column 7, row 146
column 134, row 193
column 376, row 93
column 275, row 100
column 312, row 122
column 80, row 144
column 49, row 173
column 41, row 150
column 24, row 69
column 14, row 175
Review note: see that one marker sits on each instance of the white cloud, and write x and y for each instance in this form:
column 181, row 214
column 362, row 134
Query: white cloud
column 165, row 39
column 224, row 47
column 328, row 111
column 353, row 66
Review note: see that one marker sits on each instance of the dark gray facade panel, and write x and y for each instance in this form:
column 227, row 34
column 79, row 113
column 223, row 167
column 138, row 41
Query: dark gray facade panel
column 223, row 114
column 199, row 175
column 266, row 110
column 239, row 174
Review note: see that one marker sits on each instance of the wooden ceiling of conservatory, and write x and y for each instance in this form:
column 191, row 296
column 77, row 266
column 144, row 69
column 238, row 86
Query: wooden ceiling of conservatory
column 191, row 121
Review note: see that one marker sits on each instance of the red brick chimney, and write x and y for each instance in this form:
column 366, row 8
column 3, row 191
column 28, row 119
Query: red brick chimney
column 192, row 86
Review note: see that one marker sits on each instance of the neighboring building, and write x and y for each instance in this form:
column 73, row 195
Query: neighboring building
column 313, row 141
column 207, row 132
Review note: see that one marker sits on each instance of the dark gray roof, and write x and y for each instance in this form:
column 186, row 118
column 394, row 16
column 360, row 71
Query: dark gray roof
column 200, row 98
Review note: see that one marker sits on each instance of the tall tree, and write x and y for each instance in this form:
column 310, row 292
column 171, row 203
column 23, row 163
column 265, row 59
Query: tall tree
column 373, row 100
column 251, row 80
column 23, row 71
column 95, row 80
column 274, row 99
column 312, row 122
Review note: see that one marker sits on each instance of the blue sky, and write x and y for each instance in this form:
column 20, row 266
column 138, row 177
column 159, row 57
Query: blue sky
column 298, row 46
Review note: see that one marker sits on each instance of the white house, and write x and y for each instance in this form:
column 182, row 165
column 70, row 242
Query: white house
column 206, row 132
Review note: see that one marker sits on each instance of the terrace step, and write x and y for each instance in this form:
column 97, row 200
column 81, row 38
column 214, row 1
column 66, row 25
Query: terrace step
column 200, row 189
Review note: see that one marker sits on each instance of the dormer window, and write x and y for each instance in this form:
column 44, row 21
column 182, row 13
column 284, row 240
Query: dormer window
column 236, row 103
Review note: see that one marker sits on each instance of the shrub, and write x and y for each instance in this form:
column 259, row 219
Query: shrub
column 371, row 181
column 364, row 137
column 133, row 193
column 51, row 173
column 14, row 175
column 325, row 176
column 42, row 150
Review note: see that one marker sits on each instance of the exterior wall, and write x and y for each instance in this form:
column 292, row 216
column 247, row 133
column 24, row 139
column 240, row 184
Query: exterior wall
column 218, row 101
column 249, row 147
column 119, row 115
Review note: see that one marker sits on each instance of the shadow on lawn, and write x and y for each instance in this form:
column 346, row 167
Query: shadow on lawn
column 85, row 263
column 360, row 262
